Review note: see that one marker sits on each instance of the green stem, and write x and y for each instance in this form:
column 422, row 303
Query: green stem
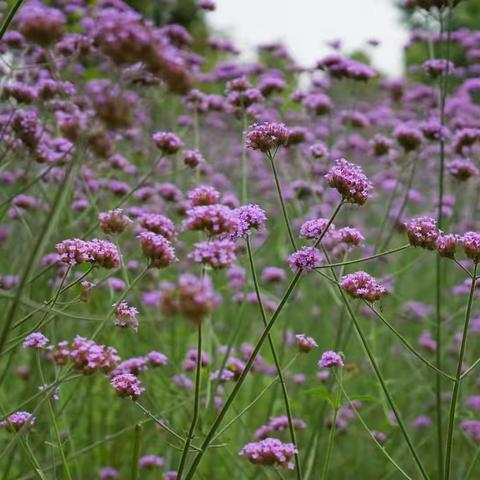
column 286, row 400
column 196, row 405
column 9, row 18
column 253, row 356
column 383, row 385
column 282, row 201
column 438, row 272
column 54, row 421
column 331, row 436
column 456, row 387
column 136, row 451
column 407, row 345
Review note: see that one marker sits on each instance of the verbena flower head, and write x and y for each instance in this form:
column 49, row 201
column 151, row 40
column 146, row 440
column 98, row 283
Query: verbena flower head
column 350, row 181
column 127, row 385
column 305, row 259
column 107, row 473
column 193, row 158
column 218, row 253
column 18, row 420
column 113, row 221
column 159, row 224
column 304, row 343
column 472, row 429
column 203, row 195
column 312, row 229
column 89, row 357
column 362, row 285
column 35, row 340
column 157, row 249
column 167, row 142
column 73, row 252
column 471, row 245
column 437, row 66
column 408, row 137
column 104, row 254
column 250, row 217
column 330, row 359
column 278, row 424
column 266, row 136
column 270, row 451
column 214, row 219
column 196, row 297
column 446, row 245
column 157, row 359
column 422, row 232
column 462, row 169
column 151, row 461
column 126, row 316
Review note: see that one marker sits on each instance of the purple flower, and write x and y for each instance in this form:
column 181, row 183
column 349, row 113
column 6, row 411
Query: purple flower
column 126, row 317
column 151, row 461
column 304, row 343
column 107, row 473
column 113, row 221
column 216, row 253
column 157, row 249
column 472, row 428
column 159, row 224
column 17, row 420
column 215, row 219
column 305, row 259
column 471, row 245
column 270, row 451
column 203, row 195
column 350, row 181
column 127, row 385
column 157, row 359
column 422, row 232
column 408, row 137
column 35, row 340
column 330, row 359
column 249, row 217
column 446, row 245
column 267, row 136
column 362, row 285
column 312, row 229
column 167, row 142
column 462, row 169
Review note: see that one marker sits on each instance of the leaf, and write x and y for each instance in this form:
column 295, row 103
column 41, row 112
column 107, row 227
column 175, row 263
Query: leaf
column 322, row 393
column 363, row 398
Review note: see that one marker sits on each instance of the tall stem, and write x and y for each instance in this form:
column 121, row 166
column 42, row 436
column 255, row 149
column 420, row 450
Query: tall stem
column 331, row 436
column 383, row 385
column 438, row 269
column 456, row 387
column 238, row 385
column 275, row 359
column 196, row 404
column 282, row 201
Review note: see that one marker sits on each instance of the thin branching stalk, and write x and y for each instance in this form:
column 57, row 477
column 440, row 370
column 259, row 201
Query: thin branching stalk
column 283, row 386
column 333, row 428
column 407, row 344
column 196, row 404
column 438, row 269
column 271, row 158
column 137, row 440
column 456, row 387
column 290, row 289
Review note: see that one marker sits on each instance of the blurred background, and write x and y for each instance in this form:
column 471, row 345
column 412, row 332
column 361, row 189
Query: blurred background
column 307, row 28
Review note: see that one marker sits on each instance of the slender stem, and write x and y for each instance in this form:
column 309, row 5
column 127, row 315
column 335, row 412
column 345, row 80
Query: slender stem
column 253, row 356
column 456, row 387
column 275, row 359
column 379, row 445
column 137, row 439
column 383, row 385
column 54, row 421
column 438, row 270
column 407, row 345
column 244, row 159
column 331, row 436
column 364, row 259
column 282, row 201
column 9, row 18
column 196, row 405
column 469, row 369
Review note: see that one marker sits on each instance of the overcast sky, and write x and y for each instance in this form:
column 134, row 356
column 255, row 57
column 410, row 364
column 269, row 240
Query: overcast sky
column 305, row 26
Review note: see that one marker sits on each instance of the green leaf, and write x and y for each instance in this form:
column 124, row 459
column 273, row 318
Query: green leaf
column 321, row 393
column 364, row 398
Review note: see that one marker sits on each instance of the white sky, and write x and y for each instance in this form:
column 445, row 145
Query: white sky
column 305, row 26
